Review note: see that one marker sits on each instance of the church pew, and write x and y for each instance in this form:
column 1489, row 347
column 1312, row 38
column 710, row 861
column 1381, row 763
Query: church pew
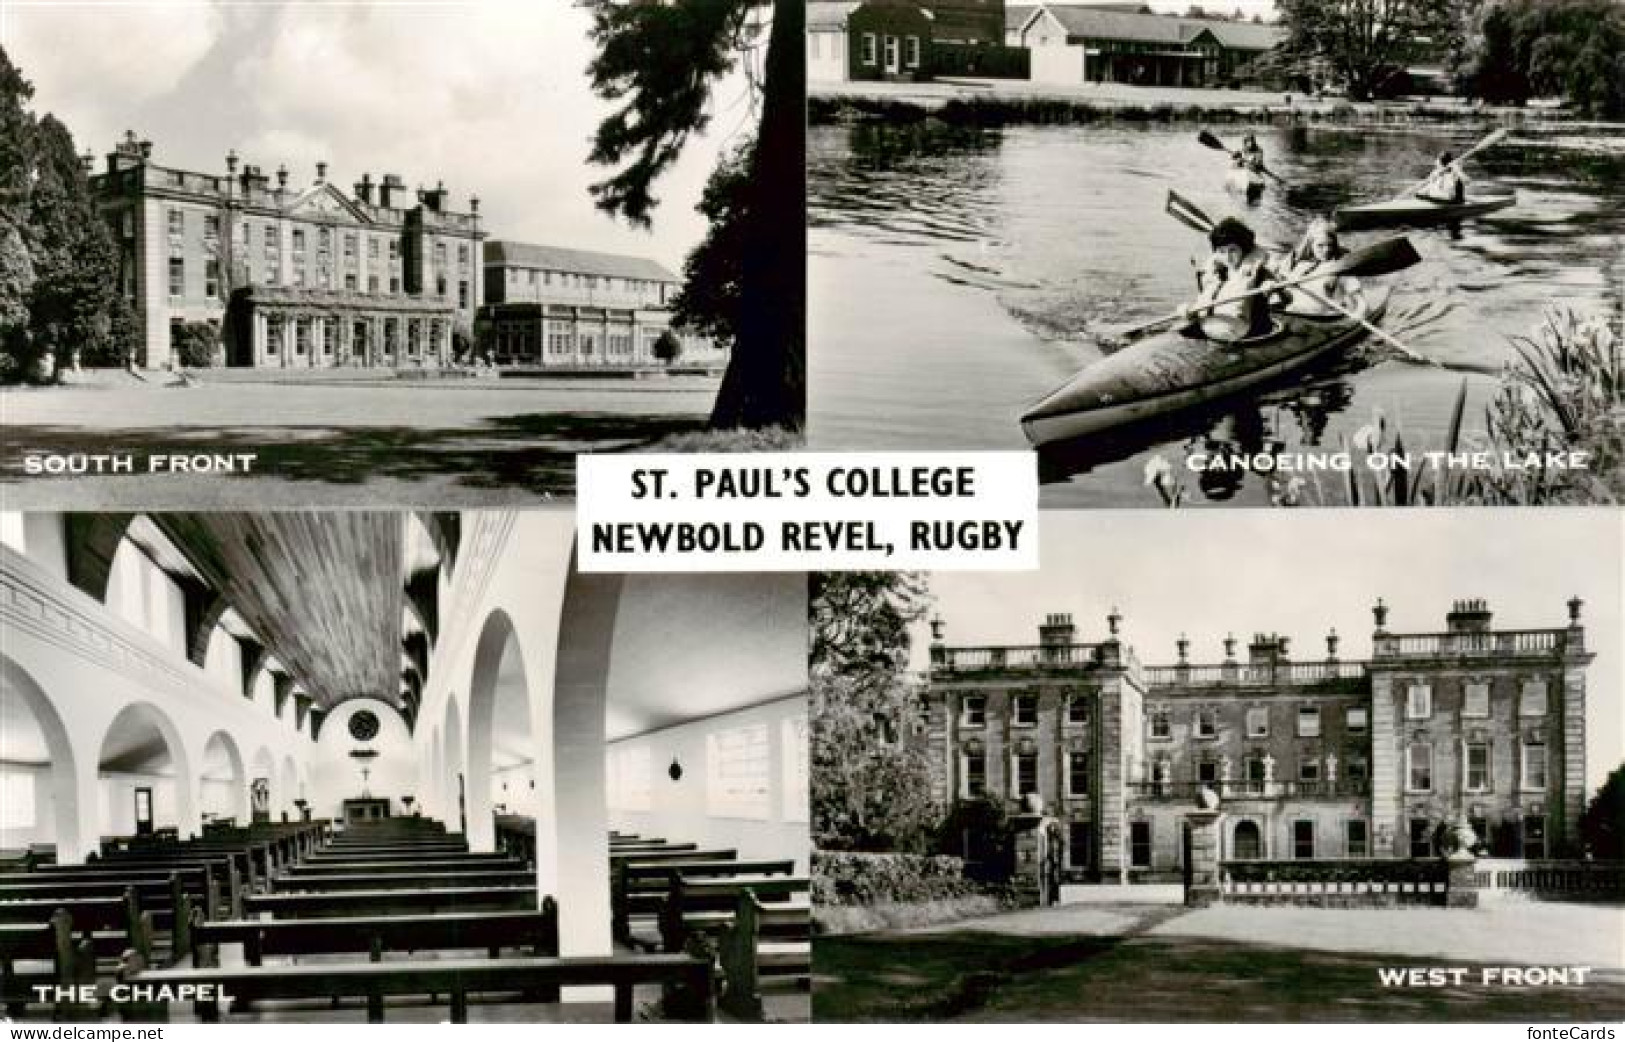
column 396, row 851
column 652, row 856
column 222, row 879
column 758, row 941
column 535, row 930
column 456, row 978
column 74, row 934
column 326, row 904
column 427, row 866
column 638, row 889
column 651, row 848
column 706, row 905
column 403, row 881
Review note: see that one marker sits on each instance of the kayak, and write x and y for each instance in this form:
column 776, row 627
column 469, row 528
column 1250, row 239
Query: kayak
column 1172, row 371
column 1245, row 182
column 1416, row 212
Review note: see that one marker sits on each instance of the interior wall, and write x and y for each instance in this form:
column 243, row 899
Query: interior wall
column 678, row 809
column 42, row 829
column 336, row 776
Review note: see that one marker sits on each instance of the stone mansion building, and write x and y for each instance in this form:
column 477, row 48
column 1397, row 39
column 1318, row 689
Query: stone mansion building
column 379, row 277
column 1321, row 759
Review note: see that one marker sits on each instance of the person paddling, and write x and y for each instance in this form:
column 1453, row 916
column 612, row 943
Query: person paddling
column 1445, row 184
column 1331, row 294
column 1235, row 266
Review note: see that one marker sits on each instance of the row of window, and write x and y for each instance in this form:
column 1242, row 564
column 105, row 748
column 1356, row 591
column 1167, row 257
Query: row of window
column 1246, row 840
column 1356, row 719
column 1476, row 773
column 572, row 280
column 1023, row 774
column 871, row 43
column 1023, row 710
column 304, row 329
column 1259, row 769
column 271, row 236
column 1532, row 700
column 212, row 287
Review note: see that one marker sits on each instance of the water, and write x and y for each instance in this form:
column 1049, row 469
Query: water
column 956, row 276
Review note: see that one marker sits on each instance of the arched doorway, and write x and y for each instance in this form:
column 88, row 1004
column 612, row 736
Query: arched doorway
column 1246, row 842
column 222, row 787
column 34, row 744
column 501, row 744
column 143, row 773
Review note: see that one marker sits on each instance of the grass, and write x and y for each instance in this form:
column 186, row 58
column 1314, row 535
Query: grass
column 766, row 439
column 834, row 920
column 979, row 976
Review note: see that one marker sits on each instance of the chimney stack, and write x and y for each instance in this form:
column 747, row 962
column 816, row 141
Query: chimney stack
column 321, row 171
column 1470, row 616
column 363, row 189
column 1057, row 631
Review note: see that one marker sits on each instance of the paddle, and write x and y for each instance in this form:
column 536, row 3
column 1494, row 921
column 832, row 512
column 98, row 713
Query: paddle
column 1495, row 137
column 1191, row 216
column 1207, row 138
column 1380, row 258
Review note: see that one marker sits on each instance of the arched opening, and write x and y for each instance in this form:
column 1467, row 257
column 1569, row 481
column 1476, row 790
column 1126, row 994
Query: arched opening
column 454, row 768
column 39, row 792
column 141, row 772
column 263, row 790
column 1246, row 842
column 288, row 790
column 222, row 786
column 501, row 746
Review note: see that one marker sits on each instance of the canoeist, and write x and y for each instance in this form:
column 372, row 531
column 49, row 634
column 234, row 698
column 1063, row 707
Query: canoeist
column 1236, row 266
column 1446, row 183
column 1319, row 250
column 1251, row 156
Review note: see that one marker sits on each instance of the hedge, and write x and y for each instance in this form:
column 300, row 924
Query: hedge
column 848, row 878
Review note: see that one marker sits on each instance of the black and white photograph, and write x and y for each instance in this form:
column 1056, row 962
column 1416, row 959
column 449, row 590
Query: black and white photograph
column 413, row 254
column 1268, row 253
column 362, row 766
column 1338, row 769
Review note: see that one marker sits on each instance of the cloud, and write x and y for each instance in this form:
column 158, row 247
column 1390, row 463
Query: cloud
column 80, row 56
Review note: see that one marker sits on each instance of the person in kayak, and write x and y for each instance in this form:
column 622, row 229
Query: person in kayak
column 1235, row 266
column 1336, row 294
column 1446, row 183
column 1251, row 156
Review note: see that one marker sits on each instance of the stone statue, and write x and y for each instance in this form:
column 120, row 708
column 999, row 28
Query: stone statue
column 1269, row 767
column 1331, row 767
column 1207, row 799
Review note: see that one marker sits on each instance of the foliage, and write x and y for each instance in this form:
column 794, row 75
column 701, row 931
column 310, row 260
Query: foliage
column 667, row 348
column 1602, row 825
column 659, row 62
column 1575, row 49
column 847, row 878
column 871, row 777
column 1365, row 42
column 197, row 345
column 710, row 298
column 58, row 261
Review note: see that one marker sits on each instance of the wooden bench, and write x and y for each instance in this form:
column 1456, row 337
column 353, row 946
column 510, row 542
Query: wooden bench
column 648, row 857
column 426, row 866
column 326, row 904
column 762, row 940
column 703, row 906
column 401, row 881
column 537, row 931
column 457, row 979
column 639, row 888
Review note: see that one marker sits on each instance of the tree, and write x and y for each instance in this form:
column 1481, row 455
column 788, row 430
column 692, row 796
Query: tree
column 661, row 60
column 1514, row 50
column 667, row 348
column 197, row 345
column 1365, row 42
column 16, row 267
column 1602, row 826
column 871, row 778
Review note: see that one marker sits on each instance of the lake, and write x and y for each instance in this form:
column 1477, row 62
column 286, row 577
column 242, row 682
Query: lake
column 956, row 276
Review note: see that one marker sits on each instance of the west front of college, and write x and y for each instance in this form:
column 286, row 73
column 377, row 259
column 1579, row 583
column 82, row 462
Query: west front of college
column 1310, row 758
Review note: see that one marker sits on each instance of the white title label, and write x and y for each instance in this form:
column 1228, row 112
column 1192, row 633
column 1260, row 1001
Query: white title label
column 807, row 511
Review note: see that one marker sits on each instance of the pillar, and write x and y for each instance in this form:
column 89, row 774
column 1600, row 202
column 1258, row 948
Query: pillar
column 1035, row 879
column 1204, row 826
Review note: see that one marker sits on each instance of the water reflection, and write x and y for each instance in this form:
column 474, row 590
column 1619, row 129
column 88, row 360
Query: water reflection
column 957, row 275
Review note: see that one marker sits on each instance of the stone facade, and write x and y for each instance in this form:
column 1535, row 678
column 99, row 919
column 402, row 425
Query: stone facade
column 1311, row 760
column 312, row 266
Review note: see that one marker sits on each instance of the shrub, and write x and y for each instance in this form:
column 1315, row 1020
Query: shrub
column 197, row 345
column 849, row 878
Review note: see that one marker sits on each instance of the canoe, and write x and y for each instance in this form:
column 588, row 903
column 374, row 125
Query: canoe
column 1170, row 372
column 1245, row 182
column 1418, row 212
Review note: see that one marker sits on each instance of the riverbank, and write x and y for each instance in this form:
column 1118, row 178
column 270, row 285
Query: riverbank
column 999, row 102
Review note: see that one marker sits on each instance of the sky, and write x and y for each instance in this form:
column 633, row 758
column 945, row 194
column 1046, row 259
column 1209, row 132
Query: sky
column 1300, row 573
column 490, row 96
column 1263, row 8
